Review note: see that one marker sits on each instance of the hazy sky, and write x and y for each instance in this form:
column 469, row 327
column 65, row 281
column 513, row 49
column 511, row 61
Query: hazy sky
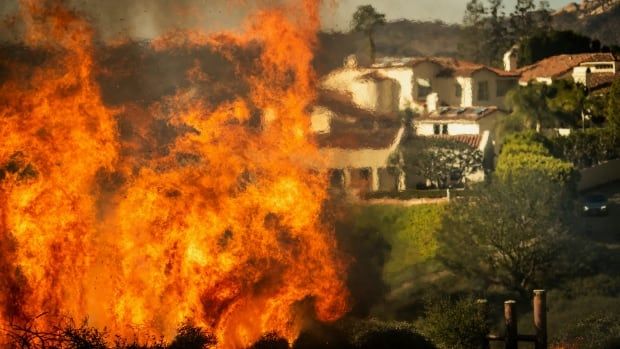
column 446, row 10
column 148, row 18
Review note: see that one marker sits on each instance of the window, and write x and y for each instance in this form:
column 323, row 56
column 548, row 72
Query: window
column 336, row 179
column 440, row 129
column 424, row 88
column 483, row 91
column 505, row 85
column 458, row 90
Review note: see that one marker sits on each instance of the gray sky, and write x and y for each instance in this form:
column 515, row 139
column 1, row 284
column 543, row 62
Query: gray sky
column 148, row 18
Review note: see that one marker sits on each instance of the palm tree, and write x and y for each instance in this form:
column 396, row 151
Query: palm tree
column 365, row 20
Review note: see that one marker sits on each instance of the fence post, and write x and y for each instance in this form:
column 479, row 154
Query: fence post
column 510, row 317
column 483, row 310
column 540, row 318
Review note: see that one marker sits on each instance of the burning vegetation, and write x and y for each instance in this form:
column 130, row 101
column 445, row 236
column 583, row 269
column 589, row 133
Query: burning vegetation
column 215, row 222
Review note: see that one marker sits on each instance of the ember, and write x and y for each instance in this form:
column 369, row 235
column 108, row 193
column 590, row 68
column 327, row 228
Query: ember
column 221, row 230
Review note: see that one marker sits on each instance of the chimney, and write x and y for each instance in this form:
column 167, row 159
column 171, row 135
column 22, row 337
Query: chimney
column 510, row 59
column 350, row 62
column 432, row 100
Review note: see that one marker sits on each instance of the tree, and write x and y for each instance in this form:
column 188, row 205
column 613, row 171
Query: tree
column 549, row 43
column 438, row 160
column 366, row 19
column 471, row 46
column 496, row 31
column 522, row 19
column 613, row 107
column 586, row 148
column 509, row 233
column 526, row 153
column 540, row 105
column 529, row 103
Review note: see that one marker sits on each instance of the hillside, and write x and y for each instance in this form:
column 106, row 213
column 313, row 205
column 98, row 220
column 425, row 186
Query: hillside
column 598, row 19
column 400, row 38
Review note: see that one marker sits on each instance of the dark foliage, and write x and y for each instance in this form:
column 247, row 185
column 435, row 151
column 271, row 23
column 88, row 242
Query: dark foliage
column 191, row 337
column 546, row 44
column 271, row 341
column 455, row 324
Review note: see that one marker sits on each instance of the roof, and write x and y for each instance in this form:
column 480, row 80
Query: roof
column 449, row 66
column 600, row 81
column 455, row 114
column 556, row 66
column 472, row 141
column 373, row 76
column 352, row 127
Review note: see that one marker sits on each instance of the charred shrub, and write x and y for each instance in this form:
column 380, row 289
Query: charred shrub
column 191, row 337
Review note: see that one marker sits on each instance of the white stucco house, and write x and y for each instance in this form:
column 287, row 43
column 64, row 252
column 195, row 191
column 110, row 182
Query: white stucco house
column 356, row 144
column 594, row 70
column 456, row 83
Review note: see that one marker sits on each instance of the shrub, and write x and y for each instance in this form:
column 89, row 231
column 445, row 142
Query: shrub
column 460, row 324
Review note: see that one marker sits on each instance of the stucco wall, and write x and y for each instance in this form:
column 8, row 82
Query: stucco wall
column 454, row 128
column 491, row 78
column 404, row 77
column 598, row 175
column 467, row 94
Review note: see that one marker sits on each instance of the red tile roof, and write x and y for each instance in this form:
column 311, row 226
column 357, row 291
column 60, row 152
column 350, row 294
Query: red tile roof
column 469, row 140
column 450, row 66
column 457, row 114
column 352, row 127
column 559, row 65
column 600, row 81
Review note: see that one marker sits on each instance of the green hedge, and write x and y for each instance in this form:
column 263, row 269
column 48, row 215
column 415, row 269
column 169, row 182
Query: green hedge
column 410, row 231
column 414, row 194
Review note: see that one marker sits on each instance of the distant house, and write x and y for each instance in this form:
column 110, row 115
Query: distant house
column 472, row 126
column 456, row 82
column 594, row 70
column 356, row 144
column 458, row 121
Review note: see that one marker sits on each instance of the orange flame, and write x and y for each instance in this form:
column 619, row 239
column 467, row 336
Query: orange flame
column 223, row 231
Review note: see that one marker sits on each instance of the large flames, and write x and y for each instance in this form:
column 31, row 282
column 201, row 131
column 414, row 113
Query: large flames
column 223, row 230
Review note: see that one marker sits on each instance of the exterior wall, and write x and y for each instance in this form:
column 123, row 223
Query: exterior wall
column 404, row 77
column 388, row 180
column 446, row 89
column 320, row 120
column 426, row 128
column 595, row 67
column 364, row 93
column 467, row 91
column 491, row 78
column 598, row 175
column 341, row 79
column 423, row 72
column 463, row 129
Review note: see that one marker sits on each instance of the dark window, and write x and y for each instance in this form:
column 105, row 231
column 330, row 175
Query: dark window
column 483, row 91
column 336, row 178
column 436, row 129
column 365, row 173
column 424, row 90
column 505, row 85
column 444, row 129
column 458, row 90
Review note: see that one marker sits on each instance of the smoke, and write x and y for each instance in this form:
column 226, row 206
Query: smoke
column 147, row 19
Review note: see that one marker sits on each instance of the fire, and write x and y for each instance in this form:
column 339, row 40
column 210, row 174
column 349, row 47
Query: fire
column 223, row 231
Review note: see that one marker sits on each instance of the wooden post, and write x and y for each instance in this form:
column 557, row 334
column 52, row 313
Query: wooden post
column 540, row 318
column 510, row 317
column 483, row 309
